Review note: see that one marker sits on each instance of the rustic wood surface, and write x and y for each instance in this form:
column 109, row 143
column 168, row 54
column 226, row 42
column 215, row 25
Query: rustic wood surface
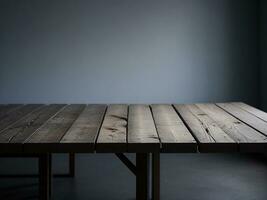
column 50, row 134
column 210, row 136
column 249, row 139
column 85, row 129
column 173, row 134
column 4, row 109
column 220, row 127
column 254, row 111
column 245, row 116
column 113, row 133
column 142, row 133
column 10, row 118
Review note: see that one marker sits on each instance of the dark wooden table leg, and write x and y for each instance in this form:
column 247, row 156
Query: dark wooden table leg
column 155, row 176
column 142, row 176
column 44, row 179
column 50, row 176
column 72, row 164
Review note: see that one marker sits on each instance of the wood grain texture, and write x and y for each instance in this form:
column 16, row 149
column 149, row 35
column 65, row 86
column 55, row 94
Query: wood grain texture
column 142, row 133
column 245, row 116
column 12, row 117
column 22, row 129
column 83, row 133
column 173, row 134
column 225, row 127
column 258, row 113
column 113, row 133
column 4, row 109
column 248, row 138
column 210, row 136
column 48, row 136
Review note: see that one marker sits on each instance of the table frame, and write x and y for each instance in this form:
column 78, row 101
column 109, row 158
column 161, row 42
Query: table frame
column 146, row 170
column 71, row 167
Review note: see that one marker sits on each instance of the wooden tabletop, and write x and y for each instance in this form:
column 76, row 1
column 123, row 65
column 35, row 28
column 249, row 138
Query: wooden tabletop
column 222, row 127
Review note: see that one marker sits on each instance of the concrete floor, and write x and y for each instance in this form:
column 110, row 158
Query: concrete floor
column 183, row 177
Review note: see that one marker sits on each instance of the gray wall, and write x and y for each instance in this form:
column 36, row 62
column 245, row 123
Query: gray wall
column 129, row 51
column 264, row 55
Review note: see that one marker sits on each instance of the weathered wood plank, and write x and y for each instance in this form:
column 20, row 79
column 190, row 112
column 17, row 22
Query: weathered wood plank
column 173, row 134
column 47, row 137
column 12, row 117
column 4, row 109
column 210, row 136
column 142, row 133
column 22, row 129
column 113, row 133
column 248, row 138
column 83, row 133
column 245, row 116
column 254, row 111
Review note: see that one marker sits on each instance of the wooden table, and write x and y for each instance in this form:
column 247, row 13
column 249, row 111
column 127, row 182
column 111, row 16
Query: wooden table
column 147, row 130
